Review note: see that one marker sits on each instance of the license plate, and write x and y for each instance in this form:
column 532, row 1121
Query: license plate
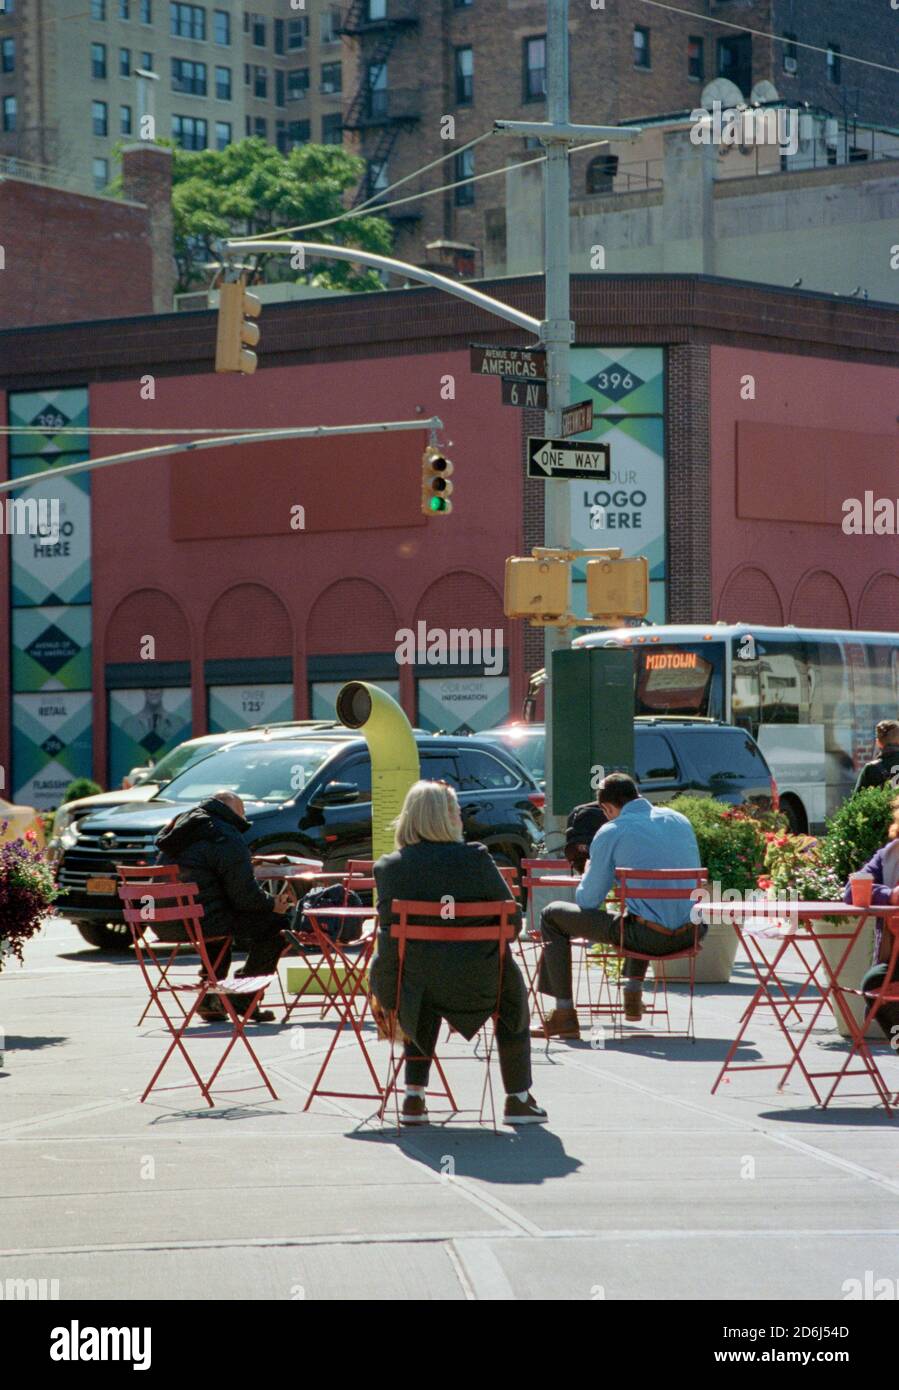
column 106, row 886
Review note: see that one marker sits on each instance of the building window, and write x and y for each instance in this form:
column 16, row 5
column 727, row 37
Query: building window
column 101, row 173
column 124, row 62
column 98, row 60
column 330, row 25
column 124, row 9
column 125, row 125
column 98, row 9
column 735, row 61
column 297, row 84
column 8, row 55
column 332, row 78
column 601, row 173
column 190, row 132
column 296, row 34
column 790, row 55
column 247, row 74
column 464, row 169
column 641, row 46
column 535, row 68
column 260, row 83
column 461, row 4
column 222, row 134
column 100, row 117
column 260, row 127
column 279, row 37
column 464, row 76
column 280, row 87
column 377, row 9
column 221, row 27
column 695, row 58
column 299, row 132
column 332, row 129
column 146, row 61
column 378, row 99
column 146, row 11
column 10, row 113
column 833, row 62
column 187, row 21
column 258, row 31
column 189, row 77
column 223, row 84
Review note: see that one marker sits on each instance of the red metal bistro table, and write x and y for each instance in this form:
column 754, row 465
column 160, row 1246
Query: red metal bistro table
column 769, row 932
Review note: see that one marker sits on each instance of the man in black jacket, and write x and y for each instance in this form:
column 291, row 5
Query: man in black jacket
column 885, row 768
column 207, row 844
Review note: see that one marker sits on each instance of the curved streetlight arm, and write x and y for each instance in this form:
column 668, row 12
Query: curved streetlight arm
column 410, row 272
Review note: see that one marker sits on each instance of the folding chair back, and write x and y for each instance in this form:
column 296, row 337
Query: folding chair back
column 172, row 901
column 150, row 873
column 501, row 931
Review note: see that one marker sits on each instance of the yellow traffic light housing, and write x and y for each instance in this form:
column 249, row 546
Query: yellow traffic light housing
column 536, row 588
column 618, row 589
column 236, row 335
column 436, row 488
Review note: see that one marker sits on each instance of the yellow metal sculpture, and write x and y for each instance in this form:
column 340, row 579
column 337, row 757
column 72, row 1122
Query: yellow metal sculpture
column 394, row 754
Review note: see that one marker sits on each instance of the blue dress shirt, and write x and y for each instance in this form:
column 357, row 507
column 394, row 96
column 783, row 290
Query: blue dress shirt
column 642, row 837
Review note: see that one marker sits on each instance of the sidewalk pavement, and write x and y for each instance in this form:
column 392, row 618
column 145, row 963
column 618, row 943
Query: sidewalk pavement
column 642, row 1186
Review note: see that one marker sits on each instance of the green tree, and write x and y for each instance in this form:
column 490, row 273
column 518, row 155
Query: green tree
column 251, row 187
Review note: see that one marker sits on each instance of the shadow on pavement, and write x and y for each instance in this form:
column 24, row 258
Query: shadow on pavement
column 15, row 1044
column 531, row 1155
column 657, row 1046
column 872, row 1116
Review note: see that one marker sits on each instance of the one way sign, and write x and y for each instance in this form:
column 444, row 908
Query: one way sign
column 562, row 458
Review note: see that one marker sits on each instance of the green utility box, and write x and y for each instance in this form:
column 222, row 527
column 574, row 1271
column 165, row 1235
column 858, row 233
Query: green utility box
column 592, row 720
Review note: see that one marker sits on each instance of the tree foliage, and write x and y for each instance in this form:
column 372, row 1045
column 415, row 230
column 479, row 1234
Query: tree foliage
column 251, row 187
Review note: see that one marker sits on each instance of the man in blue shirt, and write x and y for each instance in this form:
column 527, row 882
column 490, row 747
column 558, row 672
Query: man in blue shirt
column 637, row 835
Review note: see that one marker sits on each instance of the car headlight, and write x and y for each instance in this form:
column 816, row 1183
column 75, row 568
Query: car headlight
column 62, row 820
column 69, row 835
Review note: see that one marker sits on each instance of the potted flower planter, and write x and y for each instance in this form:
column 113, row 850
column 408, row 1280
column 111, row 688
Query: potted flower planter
column 715, row 961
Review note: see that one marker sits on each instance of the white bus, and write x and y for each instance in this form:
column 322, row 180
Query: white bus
column 810, row 697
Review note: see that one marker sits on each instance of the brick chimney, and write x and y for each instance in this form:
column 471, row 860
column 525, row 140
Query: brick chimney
column 147, row 179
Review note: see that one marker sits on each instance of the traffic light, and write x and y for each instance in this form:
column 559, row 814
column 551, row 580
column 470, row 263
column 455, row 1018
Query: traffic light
column 236, row 335
column 536, row 588
column 436, row 487
column 618, row 588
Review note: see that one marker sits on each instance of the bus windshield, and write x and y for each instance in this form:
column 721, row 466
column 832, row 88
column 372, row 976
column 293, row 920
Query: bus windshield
column 682, row 679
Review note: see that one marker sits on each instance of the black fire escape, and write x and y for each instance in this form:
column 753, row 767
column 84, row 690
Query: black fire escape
column 378, row 113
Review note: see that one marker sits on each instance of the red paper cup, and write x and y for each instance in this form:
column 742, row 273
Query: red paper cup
column 861, row 887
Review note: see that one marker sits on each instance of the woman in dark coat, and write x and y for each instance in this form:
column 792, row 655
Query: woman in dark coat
column 884, row 869
column 442, row 980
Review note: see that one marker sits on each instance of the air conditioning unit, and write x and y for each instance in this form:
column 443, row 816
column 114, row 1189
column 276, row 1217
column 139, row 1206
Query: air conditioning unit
column 791, row 65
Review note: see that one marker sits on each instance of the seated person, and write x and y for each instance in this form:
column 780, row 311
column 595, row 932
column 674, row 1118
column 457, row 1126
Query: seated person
column 581, row 826
column 207, row 844
column 884, row 869
column 637, row 835
column 441, row 980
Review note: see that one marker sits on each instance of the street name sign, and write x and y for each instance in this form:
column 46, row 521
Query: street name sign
column 519, row 364
column 577, row 419
column 558, row 458
column 525, row 394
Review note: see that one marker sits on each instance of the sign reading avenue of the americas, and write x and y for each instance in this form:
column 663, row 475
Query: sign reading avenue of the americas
column 526, row 364
column 560, row 458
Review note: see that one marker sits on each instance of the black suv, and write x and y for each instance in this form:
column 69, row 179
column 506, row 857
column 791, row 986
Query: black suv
column 671, row 756
column 307, row 795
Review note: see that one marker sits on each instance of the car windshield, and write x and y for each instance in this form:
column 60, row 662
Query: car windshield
column 529, row 749
column 260, row 772
column 178, row 761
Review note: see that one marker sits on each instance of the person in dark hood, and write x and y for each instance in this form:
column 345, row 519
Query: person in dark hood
column 884, row 769
column 207, row 844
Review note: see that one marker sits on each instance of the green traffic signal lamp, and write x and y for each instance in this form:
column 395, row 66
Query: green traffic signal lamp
column 435, row 483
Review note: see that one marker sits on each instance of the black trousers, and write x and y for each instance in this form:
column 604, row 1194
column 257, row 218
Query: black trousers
column 513, row 1038
column 561, row 922
column 261, row 938
column 887, row 1016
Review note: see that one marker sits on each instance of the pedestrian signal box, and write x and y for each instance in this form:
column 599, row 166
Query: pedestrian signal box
column 236, row 334
column 436, row 488
column 618, row 589
column 536, row 588
column 592, row 693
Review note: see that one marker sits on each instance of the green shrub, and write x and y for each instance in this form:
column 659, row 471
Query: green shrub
column 82, row 786
column 857, row 830
column 731, row 842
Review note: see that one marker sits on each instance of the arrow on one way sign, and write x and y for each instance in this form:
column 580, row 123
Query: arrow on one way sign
column 560, row 458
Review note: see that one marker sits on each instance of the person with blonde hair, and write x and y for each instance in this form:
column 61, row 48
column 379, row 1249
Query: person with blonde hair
column 884, row 869
column 444, row 980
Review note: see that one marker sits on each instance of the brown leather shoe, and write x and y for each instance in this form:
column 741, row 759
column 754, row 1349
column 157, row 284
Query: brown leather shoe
column 633, row 1005
column 561, row 1023
column 415, row 1110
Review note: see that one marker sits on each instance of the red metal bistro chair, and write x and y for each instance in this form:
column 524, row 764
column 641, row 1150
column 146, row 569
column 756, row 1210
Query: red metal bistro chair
column 327, row 960
column 153, row 873
column 887, row 994
column 674, row 885
column 178, row 904
column 530, row 944
column 501, row 931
